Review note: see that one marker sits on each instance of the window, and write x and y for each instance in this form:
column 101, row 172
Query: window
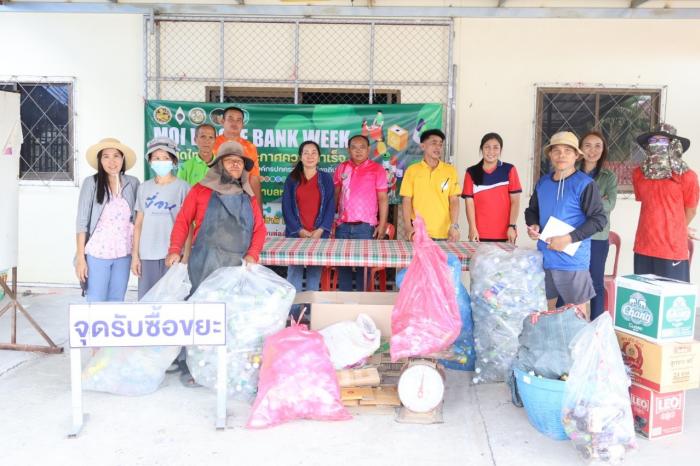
column 620, row 114
column 271, row 95
column 46, row 110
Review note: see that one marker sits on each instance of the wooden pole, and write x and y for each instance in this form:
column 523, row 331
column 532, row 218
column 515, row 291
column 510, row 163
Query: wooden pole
column 15, row 305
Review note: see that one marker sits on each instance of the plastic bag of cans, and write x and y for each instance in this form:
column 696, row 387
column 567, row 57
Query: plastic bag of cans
column 257, row 305
column 506, row 286
column 461, row 354
column 596, row 411
column 425, row 318
column 297, row 382
column 138, row 370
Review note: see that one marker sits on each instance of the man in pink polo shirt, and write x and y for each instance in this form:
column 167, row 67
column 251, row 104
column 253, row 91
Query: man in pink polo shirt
column 361, row 193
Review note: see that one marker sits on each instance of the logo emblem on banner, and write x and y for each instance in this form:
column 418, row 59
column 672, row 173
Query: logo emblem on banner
column 197, row 116
column 162, row 115
column 217, row 116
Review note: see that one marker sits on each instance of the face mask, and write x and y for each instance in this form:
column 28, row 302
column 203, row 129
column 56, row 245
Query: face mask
column 162, row 167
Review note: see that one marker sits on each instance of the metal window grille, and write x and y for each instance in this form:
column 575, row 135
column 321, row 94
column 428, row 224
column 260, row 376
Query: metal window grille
column 620, row 114
column 302, row 61
column 46, row 113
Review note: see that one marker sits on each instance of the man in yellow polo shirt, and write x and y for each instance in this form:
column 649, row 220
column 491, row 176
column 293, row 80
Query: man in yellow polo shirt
column 430, row 189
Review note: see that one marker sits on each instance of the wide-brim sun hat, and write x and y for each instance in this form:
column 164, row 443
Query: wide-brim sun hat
column 111, row 143
column 565, row 138
column 230, row 149
column 664, row 129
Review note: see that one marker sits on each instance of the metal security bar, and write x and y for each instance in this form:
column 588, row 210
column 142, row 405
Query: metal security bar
column 46, row 112
column 619, row 113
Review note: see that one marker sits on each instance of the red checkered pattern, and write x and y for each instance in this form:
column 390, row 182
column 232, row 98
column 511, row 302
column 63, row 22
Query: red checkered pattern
column 355, row 252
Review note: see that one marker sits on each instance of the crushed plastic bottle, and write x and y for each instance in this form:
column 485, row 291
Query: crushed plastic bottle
column 505, row 287
column 257, row 305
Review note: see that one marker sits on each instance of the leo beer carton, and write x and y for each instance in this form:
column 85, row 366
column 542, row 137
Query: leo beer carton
column 655, row 308
column 657, row 414
column 664, row 367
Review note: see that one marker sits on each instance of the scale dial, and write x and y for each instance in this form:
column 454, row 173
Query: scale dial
column 421, row 387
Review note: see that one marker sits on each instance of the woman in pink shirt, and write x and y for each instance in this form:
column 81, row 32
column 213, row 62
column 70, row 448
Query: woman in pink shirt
column 104, row 226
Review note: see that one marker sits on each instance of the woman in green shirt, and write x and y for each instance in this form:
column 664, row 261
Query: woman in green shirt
column 595, row 151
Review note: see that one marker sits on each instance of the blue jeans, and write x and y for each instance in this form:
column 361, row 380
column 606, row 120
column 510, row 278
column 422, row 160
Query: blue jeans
column 295, row 275
column 599, row 254
column 346, row 274
column 107, row 278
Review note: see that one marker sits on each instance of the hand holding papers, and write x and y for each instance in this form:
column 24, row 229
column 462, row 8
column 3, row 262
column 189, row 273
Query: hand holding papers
column 556, row 227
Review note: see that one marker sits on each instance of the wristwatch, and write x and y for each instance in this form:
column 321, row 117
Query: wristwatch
column 513, row 226
column 455, row 226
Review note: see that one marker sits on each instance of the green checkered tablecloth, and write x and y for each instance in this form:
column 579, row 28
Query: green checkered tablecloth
column 355, row 252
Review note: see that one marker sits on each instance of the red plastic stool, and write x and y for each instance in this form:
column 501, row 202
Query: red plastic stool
column 609, row 280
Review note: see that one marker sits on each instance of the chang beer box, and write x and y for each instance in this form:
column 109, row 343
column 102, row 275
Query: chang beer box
column 655, row 308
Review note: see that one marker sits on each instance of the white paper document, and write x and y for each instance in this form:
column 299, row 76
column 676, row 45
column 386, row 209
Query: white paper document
column 556, row 227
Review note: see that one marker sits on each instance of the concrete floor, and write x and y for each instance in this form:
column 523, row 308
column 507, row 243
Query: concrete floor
column 175, row 425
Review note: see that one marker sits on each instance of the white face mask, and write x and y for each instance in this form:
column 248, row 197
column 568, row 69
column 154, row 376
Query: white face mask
column 162, row 167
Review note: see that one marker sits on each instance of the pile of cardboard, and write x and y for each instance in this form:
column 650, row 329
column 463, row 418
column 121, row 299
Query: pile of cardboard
column 363, row 388
column 655, row 324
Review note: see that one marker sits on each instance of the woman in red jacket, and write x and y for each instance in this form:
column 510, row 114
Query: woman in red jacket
column 228, row 224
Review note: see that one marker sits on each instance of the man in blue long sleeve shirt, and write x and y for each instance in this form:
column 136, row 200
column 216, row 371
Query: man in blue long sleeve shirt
column 572, row 197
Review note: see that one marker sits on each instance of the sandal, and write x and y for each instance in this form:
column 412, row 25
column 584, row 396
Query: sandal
column 188, row 381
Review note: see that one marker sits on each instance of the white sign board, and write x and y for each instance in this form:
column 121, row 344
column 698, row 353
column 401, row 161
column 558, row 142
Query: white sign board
column 147, row 324
column 10, row 143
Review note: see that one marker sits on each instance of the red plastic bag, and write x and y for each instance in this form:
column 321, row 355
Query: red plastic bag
column 297, row 380
column 426, row 317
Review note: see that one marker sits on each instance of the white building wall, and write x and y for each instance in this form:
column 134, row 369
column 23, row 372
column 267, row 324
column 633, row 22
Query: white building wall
column 499, row 62
column 104, row 54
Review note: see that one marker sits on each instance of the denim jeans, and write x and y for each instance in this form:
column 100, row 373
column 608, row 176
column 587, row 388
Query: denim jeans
column 295, row 275
column 346, row 274
column 107, row 278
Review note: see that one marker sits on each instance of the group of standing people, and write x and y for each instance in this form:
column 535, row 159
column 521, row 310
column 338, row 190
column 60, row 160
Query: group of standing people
column 207, row 211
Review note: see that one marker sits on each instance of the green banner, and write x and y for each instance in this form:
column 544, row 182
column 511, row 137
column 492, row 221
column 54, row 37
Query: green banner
column 277, row 131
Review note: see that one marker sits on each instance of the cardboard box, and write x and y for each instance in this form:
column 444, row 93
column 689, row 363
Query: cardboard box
column 657, row 414
column 397, row 137
column 655, row 308
column 664, row 367
column 329, row 307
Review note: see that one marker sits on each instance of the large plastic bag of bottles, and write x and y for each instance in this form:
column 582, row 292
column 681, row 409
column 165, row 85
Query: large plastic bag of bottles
column 461, row 355
column 596, row 411
column 425, row 318
column 544, row 341
column 257, row 305
column 351, row 342
column 506, row 286
column 138, row 370
column 297, row 380
column 174, row 286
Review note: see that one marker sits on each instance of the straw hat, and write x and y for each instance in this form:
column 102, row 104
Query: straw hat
column 110, row 143
column 566, row 138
